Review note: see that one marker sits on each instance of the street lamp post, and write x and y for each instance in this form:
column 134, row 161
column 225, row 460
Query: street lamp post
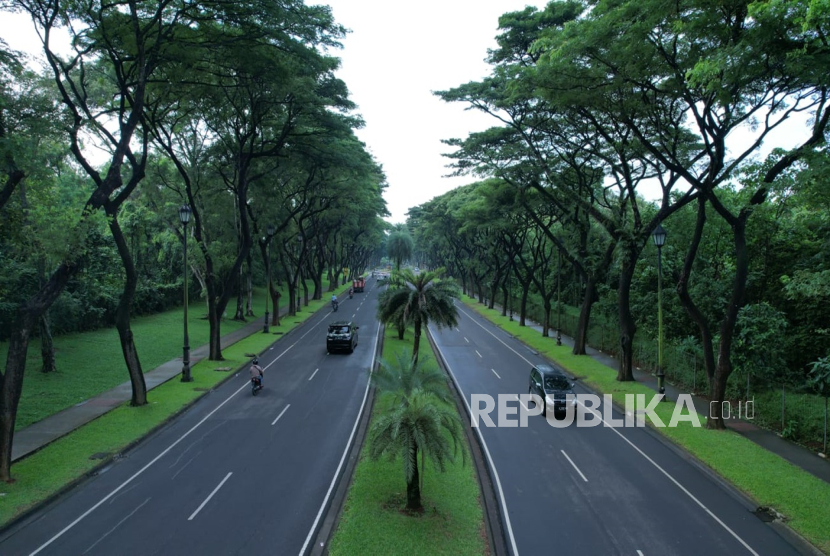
column 271, row 231
column 184, row 217
column 659, row 237
column 559, row 298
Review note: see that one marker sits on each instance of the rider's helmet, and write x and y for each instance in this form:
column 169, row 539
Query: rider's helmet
column 255, row 361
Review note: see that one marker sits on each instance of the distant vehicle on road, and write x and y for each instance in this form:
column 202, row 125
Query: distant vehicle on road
column 358, row 284
column 342, row 335
column 553, row 386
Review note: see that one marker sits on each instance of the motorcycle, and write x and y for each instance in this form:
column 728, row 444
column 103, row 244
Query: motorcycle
column 334, row 305
column 350, row 295
column 256, row 384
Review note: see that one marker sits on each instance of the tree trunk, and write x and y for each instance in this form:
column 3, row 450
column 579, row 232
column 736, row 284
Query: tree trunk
column 581, row 339
column 413, row 489
column 416, row 342
column 275, row 303
column 240, row 298
column 686, row 300
column 546, row 323
column 505, row 299
column 249, row 288
column 11, row 381
column 122, row 316
column 627, row 325
column 727, row 327
column 523, row 304
column 215, row 321
column 47, row 347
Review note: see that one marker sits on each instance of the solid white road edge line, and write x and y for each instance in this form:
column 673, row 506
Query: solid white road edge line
column 202, row 505
column 280, row 415
column 489, row 460
column 154, row 460
column 654, row 463
column 574, row 466
column 345, row 452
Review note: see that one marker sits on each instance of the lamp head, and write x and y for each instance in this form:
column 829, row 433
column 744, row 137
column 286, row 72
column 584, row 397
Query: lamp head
column 659, row 236
column 184, row 214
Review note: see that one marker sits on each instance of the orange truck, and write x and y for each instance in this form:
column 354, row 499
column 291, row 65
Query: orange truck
column 358, row 284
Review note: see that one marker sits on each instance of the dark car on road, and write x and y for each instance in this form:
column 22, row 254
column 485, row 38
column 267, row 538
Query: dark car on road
column 342, row 336
column 552, row 385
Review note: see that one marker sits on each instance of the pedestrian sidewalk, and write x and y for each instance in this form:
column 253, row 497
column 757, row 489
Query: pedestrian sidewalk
column 769, row 440
column 38, row 435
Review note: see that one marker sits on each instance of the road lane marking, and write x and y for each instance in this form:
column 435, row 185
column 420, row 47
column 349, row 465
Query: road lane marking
column 466, row 340
column 494, row 336
column 479, row 354
column 495, row 373
column 280, row 415
column 489, row 460
column 312, row 374
column 345, row 452
column 663, row 471
column 117, row 525
column 228, row 476
column 640, row 553
column 574, row 465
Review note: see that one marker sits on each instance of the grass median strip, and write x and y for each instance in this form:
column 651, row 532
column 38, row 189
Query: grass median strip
column 769, row 479
column 373, row 520
column 46, row 472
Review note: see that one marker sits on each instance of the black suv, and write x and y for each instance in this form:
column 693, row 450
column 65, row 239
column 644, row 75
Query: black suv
column 342, row 335
column 552, row 385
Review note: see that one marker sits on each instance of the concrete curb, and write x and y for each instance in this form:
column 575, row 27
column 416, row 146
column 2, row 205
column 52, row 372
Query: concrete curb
column 491, row 510
column 334, row 512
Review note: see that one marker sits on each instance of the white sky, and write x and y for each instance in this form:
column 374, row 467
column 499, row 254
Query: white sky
column 395, row 56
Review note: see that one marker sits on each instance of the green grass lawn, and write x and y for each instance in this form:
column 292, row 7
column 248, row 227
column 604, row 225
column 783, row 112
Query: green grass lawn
column 767, row 478
column 372, row 521
column 49, row 470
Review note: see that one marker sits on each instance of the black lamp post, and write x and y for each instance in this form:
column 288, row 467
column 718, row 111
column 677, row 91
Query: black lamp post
column 659, row 237
column 271, row 231
column 559, row 298
column 184, row 217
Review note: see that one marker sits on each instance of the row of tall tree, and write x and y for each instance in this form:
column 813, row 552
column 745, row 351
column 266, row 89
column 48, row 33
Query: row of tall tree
column 230, row 108
column 596, row 101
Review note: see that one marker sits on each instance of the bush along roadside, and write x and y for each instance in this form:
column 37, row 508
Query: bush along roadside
column 375, row 519
column 56, row 468
column 768, row 479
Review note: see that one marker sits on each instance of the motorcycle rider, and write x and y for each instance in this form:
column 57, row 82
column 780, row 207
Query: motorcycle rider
column 257, row 371
column 351, row 291
column 334, row 302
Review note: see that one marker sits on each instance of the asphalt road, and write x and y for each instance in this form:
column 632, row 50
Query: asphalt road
column 235, row 474
column 597, row 490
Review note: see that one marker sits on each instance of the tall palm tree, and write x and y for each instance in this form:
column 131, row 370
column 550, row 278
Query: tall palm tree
column 419, row 299
column 416, row 422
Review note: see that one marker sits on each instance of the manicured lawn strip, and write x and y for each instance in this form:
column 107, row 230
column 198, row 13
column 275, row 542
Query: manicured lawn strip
column 767, row 478
column 47, row 471
column 89, row 363
column 371, row 522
